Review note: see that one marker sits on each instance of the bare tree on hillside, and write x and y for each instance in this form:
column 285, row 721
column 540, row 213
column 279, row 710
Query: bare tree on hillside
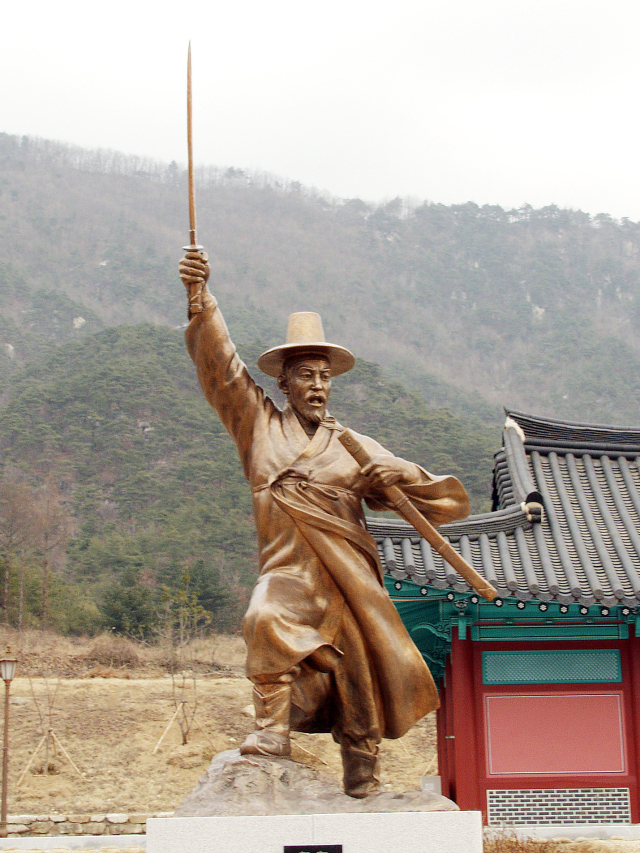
column 52, row 529
column 16, row 529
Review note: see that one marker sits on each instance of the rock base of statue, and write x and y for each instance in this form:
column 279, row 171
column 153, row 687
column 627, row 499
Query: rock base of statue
column 238, row 784
column 245, row 804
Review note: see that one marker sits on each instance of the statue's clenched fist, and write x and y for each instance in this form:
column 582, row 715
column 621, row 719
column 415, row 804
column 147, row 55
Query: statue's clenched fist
column 194, row 272
column 383, row 471
column 194, row 268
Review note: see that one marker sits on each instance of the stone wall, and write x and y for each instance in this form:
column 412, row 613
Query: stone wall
column 25, row 825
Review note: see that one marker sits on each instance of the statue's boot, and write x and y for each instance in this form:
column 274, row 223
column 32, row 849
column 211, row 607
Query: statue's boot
column 272, row 703
column 359, row 763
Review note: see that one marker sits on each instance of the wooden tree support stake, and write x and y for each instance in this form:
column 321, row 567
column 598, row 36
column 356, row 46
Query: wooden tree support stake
column 56, row 742
column 171, row 722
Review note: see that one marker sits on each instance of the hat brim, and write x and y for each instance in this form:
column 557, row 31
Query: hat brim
column 340, row 359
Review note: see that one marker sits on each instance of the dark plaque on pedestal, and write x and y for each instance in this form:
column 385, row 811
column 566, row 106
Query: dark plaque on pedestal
column 313, row 848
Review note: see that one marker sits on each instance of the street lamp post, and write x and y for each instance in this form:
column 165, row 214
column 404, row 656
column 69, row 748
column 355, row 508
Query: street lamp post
column 7, row 672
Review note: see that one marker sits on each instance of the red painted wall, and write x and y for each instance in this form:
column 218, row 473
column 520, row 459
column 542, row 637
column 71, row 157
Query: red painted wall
column 537, row 736
column 554, row 733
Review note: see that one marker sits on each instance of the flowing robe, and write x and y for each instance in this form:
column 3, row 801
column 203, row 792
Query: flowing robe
column 320, row 585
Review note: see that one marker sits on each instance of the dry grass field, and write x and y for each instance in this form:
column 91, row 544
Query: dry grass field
column 510, row 844
column 109, row 702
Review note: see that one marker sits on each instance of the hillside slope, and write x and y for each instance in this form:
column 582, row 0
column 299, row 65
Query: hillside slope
column 532, row 309
column 119, row 424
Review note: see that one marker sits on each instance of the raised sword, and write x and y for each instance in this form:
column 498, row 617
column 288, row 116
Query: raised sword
column 193, row 247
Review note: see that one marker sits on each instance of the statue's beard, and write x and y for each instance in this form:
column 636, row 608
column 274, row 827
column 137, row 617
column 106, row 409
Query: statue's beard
column 313, row 414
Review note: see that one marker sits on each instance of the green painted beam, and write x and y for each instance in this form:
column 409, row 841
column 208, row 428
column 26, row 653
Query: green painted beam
column 505, row 619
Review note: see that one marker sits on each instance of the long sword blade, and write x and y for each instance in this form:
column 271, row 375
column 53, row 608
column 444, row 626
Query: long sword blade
column 192, row 188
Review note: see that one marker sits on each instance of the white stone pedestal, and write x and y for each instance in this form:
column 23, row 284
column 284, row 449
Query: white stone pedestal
column 389, row 832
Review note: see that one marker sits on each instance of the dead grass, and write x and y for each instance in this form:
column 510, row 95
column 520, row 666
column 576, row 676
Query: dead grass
column 506, row 842
column 48, row 655
column 113, row 699
column 110, row 727
column 113, row 652
column 509, row 842
column 106, row 672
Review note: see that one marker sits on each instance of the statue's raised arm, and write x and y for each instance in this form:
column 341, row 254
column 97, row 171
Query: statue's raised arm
column 224, row 378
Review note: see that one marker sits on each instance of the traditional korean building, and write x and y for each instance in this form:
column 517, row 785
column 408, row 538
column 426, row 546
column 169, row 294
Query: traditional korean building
column 540, row 689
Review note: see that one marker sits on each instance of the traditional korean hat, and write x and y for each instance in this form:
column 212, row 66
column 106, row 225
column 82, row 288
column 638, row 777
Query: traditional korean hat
column 305, row 335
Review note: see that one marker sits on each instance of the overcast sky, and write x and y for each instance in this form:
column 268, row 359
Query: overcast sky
column 494, row 101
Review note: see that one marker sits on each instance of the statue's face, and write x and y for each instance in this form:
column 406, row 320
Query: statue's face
column 307, row 383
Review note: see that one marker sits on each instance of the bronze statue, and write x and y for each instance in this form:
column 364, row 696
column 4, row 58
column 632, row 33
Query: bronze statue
column 326, row 648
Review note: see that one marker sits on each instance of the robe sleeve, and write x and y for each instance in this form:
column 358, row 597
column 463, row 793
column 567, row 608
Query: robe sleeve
column 439, row 499
column 224, row 378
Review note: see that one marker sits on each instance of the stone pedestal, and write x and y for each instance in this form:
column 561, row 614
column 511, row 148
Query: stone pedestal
column 236, row 785
column 385, row 832
column 248, row 804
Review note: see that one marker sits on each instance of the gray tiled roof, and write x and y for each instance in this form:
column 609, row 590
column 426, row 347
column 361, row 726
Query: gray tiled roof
column 585, row 549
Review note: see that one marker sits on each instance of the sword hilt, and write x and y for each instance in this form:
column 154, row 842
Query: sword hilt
column 405, row 508
column 195, row 296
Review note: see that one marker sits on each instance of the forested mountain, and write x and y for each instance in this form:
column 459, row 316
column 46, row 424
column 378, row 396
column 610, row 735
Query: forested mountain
column 121, row 497
column 537, row 309
column 152, row 480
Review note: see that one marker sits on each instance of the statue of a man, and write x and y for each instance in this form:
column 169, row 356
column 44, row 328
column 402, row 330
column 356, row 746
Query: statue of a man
column 326, row 648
